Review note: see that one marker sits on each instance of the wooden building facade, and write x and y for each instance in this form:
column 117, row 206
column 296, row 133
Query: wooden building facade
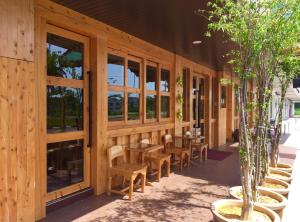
column 72, row 84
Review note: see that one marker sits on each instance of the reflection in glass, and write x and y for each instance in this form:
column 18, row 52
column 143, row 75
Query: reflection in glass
column 115, row 70
column 184, row 94
column 64, row 57
column 151, row 78
column 165, row 107
column 64, row 164
column 133, row 74
column 133, row 106
column 115, row 106
column 64, row 109
column 201, row 109
column 165, row 80
column 194, row 109
column 201, row 87
column 150, row 106
column 194, row 86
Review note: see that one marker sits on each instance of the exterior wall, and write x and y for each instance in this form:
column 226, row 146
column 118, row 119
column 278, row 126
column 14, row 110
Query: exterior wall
column 287, row 108
column 17, row 111
column 23, row 80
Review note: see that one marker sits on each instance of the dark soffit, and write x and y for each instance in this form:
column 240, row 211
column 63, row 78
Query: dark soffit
column 169, row 24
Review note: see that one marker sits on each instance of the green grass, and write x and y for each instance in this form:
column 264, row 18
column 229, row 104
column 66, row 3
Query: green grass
column 297, row 111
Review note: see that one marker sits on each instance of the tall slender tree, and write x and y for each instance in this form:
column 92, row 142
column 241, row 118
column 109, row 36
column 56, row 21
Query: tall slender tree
column 289, row 68
column 261, row 31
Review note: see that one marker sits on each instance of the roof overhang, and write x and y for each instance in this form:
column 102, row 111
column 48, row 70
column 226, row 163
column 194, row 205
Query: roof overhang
column 169, row 24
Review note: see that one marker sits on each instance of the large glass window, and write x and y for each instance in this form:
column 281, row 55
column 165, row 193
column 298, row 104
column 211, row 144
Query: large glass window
column 150, row 106
column 165, row 80
column 115, row 106
column 151, row 76
column 133, row 106
column 64, row 164
column 64, row 109
column 165, row 107
column 64, row 57
column 133, row 72
column 115, row 70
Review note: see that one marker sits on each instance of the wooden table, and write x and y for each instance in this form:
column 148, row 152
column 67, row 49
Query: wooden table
column 190, row 139
column 142, row 148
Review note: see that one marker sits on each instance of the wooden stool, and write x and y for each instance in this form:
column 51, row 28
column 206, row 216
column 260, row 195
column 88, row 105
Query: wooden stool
column 200, row 147
column 158, row 159
column 128, row 171
column 180, row 152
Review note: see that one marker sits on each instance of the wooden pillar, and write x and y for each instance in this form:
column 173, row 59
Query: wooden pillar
column 99, row 114
column 209, row 110
column 17, row 111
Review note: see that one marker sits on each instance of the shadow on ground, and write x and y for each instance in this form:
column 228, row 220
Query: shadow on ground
column 185, row 196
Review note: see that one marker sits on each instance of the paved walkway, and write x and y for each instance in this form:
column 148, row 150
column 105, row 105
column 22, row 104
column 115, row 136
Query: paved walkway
column 291, row 213
column 181, row 197
column 185, row 196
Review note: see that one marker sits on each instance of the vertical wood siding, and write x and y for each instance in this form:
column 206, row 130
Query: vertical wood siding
column 17, row 111
column 17, row 140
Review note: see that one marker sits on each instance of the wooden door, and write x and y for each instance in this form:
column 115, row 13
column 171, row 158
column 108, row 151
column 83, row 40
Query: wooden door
column 67, row 118
column 198, row 103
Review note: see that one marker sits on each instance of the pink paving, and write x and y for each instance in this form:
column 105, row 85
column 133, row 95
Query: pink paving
column 185, row 196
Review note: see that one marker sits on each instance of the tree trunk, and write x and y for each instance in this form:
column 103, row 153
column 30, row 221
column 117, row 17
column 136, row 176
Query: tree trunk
column 278, row 125
column 246, row 156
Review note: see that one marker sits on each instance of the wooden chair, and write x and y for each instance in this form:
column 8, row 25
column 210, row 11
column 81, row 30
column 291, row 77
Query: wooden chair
column 158, row 159
column 128, row 171
column 180, row 152
column 200, row 147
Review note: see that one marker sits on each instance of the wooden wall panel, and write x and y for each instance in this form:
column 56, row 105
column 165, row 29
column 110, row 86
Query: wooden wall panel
column 16, row 29
column 17, row 140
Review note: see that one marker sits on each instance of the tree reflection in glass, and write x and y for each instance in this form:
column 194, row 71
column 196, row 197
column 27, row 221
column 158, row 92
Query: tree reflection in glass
column 151, row 106
column 115, row 106
column 64, row 104
column 64, row 109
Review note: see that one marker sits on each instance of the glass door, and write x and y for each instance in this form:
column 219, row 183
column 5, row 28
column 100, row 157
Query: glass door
column 67, row 154
column 198, row 97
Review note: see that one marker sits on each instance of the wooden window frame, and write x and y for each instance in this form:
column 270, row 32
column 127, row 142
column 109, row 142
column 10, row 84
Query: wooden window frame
column 151, row 92
column 74, row 135
column 165, row 93
column 126, row 89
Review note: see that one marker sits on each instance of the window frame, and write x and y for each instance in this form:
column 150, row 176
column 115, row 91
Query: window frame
column 165, row 93
column 142, row 90
column 126, row 89
column 151, row 92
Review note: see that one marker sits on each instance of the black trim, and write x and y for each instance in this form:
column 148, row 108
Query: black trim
column 68, row 199
column 90, row 108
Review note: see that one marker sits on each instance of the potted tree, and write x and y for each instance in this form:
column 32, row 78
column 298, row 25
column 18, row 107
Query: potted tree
column 258, row 29
column 289, row 69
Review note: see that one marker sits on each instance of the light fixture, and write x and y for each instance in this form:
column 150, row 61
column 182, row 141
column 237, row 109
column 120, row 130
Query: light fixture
column 197, row 42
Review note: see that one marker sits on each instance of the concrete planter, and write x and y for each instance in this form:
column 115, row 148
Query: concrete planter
column 282, row 175
column 278, row 207
column 283, row 191
column 238, row 203
column 283, row 167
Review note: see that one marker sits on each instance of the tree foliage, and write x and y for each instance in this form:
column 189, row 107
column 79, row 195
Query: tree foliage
column 262, row 31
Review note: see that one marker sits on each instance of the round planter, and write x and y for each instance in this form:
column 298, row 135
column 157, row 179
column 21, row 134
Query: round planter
column 286, row 177
column 278, row 207
column 238, row 203
column 283, row 191
column 283, row 167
